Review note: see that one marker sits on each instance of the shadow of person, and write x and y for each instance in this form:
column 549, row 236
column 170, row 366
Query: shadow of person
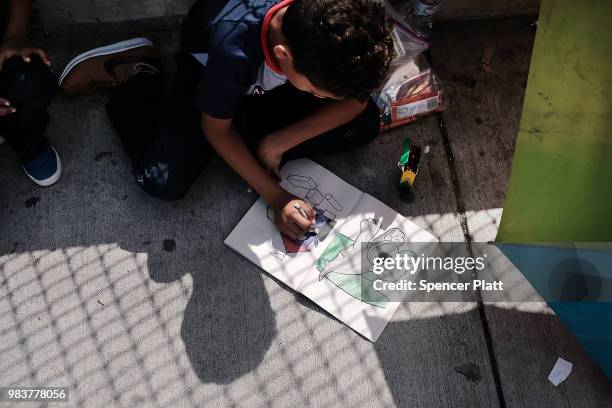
column 228, row 324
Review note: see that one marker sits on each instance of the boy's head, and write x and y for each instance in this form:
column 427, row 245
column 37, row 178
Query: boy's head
column 336, row 48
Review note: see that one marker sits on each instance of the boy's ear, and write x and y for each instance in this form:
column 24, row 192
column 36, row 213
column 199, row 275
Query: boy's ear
column 282, row 52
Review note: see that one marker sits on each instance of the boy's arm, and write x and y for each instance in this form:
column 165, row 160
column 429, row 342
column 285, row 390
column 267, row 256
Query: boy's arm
column 15, row 36
column 232, row 148
column 274, row 145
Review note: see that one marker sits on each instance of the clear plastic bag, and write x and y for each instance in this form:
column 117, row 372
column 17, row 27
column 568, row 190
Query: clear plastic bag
column 412, row 90
column 406, row 44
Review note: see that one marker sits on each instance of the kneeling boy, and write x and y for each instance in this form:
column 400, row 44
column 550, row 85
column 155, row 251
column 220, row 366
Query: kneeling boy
column 295, row 75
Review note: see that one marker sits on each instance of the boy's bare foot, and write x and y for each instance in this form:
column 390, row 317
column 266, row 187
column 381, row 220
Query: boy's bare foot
column 108, row 66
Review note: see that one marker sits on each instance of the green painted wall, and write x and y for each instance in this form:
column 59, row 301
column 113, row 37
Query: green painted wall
column 561, row 181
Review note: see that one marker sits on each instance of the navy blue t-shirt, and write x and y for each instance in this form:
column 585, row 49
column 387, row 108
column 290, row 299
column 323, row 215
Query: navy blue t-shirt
column 225, row 36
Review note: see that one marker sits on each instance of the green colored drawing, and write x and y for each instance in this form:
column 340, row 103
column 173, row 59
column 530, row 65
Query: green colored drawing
column 339, row 244
column 380, row 244
column 352, row 285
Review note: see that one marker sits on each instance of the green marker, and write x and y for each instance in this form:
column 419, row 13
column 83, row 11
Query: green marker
column 409, row 164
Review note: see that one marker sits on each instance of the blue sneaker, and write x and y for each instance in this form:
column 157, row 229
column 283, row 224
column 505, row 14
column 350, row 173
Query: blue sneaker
column 44, row 169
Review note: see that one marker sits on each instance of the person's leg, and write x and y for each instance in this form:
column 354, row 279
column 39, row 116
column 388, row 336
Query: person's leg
column 162, row 134
column 285, row 105
column 134, row 110
column 30, row 88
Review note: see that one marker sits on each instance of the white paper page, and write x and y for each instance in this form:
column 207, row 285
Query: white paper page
column 320, row 188
column 256, row 237
column 331, row 284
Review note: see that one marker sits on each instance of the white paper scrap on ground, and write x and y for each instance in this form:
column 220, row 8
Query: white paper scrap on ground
column 560, row 371
column 329, row 269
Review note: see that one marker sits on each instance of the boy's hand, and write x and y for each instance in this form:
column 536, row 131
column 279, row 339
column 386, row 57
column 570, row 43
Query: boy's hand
column 6, row 108
column 289, row 221
column 14, row 47
column 270, row 154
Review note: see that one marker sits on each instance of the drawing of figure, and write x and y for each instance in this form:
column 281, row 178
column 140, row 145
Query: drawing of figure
column 341, row 264
column 342, row 245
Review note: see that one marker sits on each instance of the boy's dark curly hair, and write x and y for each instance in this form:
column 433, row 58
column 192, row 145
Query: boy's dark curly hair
column 342, row 46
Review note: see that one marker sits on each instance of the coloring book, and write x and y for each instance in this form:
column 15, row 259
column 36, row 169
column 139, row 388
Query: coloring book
column 328, row 267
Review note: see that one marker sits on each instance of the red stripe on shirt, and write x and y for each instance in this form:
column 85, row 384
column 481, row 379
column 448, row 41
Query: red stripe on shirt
column 270, row 59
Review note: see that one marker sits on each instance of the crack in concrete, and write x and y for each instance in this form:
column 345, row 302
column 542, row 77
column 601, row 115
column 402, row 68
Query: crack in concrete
column 461, row 212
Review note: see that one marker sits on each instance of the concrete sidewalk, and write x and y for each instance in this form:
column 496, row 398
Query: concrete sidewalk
column 134, row 302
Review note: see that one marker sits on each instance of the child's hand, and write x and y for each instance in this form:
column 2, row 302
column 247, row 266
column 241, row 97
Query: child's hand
column 5, row 107
column 289, row 221
column 13, row 47
column 270, row 155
